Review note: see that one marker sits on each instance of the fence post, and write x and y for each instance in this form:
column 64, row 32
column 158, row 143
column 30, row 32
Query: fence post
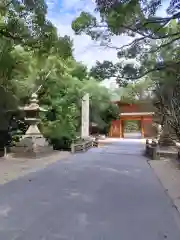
column 147, row 147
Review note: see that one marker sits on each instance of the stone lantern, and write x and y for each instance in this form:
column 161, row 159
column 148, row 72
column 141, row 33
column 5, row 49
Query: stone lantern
column 32, row 143
column 32, row 118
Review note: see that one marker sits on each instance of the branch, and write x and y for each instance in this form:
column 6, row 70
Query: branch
column 9, row 3
column 163, row 45
column 137, row 31
column 163, row 19
column 9, row 35
column 24, row 40
column 150, row 36
column 126, row 45
column 39, row 88
column 144, row 36
column 153, row 70
column 140, row 39
column 157, row 68
column 155, row 20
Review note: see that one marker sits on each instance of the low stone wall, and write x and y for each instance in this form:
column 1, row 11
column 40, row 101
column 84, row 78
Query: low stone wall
column 177, row 144
column 95, row 143
column 26, row 152
column 155, row 151
column 83, row 146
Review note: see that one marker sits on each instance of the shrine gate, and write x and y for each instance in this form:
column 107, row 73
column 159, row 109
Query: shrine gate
column 138, row 112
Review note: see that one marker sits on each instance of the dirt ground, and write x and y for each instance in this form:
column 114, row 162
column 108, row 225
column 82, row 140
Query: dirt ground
column 13, row 168
column 168, row 172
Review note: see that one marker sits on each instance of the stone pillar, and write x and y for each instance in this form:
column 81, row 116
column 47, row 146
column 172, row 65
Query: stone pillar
column 85, row 116
column 154, row 155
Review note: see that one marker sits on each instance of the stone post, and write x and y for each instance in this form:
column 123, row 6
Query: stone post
column 154, row 150
column 85, row 117
column 147, row 147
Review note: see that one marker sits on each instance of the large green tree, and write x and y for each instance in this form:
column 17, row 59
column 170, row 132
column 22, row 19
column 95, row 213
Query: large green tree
column 148, row 34
column 62, row 94
column 34, row 58
column 27, row 37
column 60, row 84
column 25, row 23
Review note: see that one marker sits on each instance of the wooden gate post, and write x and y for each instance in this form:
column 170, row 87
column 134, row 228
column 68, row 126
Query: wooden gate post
column 142, row 127
column 120, row 128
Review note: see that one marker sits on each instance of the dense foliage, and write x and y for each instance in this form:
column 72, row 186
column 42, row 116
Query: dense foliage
column 35, row 59
column 147, row 33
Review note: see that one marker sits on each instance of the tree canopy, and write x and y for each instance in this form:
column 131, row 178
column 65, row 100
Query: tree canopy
column 34, row 58
column 25, row 23
column 148, row 34
column 153, row 45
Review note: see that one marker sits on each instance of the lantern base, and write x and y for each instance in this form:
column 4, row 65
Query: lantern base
column 32, row 146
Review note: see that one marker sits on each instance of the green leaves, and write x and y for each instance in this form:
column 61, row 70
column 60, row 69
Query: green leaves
column 25, row 23
column 123, row 73
column 150, row 34
column 83, row 22
column 102, row 71
column 102, row 110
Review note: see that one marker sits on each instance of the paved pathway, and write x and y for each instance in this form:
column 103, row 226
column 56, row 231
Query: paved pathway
column 109, row 193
